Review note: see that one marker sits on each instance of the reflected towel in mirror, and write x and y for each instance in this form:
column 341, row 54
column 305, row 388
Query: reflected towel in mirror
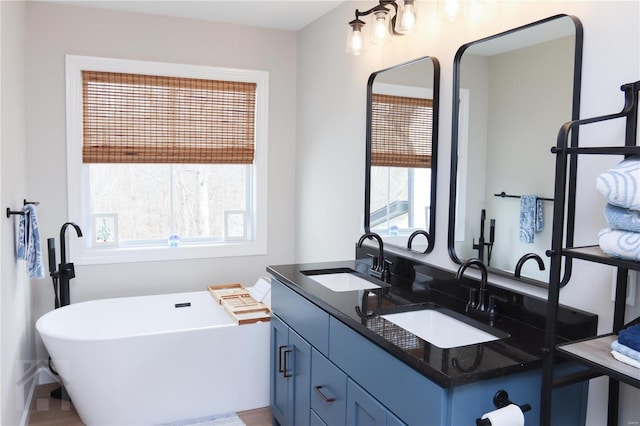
column 531, row 220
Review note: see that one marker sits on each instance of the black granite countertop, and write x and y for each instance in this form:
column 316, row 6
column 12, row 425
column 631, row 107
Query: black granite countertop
column 416, row 285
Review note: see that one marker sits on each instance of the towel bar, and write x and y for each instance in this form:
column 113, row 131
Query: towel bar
column 504, row 195
column 21, row 213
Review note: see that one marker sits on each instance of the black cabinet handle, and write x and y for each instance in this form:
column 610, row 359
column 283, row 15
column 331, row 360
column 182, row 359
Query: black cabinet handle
column 323, row 396
column 286, row 357
column 280, row 358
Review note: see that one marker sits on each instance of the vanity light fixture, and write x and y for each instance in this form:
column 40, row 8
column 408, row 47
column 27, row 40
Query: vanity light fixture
column 388, row 18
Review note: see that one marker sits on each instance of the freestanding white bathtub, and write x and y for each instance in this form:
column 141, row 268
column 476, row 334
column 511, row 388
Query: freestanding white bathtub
column 156, row 359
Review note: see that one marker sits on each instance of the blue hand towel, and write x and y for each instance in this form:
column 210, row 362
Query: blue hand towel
column 531, row 220
column 630, row 337
column 28, row 247
column 621, row 218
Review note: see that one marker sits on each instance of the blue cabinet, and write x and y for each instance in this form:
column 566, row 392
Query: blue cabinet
column 364, row 410
column 290, row 375
column 325, row 373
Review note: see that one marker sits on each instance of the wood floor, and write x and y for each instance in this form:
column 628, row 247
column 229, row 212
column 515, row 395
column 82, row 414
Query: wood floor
column 54, row 412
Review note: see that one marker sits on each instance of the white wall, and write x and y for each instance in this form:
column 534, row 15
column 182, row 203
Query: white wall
column 16, row 333
column 331, row 132
column 55, row 30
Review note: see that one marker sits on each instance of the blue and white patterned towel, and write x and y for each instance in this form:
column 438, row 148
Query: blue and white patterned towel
column 28, row 243
column 530, row 218
column 620, row 244
column 621, row 184
column 622, row 219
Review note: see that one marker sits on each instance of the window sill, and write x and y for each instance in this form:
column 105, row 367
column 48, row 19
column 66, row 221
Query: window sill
column 100, row 256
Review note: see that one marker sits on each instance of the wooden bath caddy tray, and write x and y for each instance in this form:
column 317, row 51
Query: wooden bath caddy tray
column 239, row 303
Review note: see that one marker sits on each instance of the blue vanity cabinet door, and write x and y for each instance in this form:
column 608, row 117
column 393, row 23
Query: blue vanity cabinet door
column 290, row 375
column 279, row 392
column 363, row 409
column 300, row 385
column 329, row 390
column 412, row 397
column 304, row 317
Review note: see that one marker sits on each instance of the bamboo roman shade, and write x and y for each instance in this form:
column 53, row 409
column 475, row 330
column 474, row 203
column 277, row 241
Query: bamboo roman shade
column 133, row 118
column 401, row 131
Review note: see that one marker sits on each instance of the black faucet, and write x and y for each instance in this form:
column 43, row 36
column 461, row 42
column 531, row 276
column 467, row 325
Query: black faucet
column 379, row 265
column 66, row 270
column 415, row 234
column 526, row 257
column 480, row 305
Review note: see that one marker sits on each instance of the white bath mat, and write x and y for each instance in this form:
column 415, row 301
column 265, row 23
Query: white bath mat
column 228, row 419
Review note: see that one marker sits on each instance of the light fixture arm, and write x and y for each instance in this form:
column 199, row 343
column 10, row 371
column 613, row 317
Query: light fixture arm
column 381, row 6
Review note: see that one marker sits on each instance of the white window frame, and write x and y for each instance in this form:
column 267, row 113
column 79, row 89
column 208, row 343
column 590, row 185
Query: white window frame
column 83, row 253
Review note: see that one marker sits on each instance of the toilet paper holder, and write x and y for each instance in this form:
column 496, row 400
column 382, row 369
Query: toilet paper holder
column 500, row 400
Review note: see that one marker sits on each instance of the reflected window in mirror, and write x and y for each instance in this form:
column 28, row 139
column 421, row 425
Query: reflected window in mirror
column 401, row 153
column 515, row 90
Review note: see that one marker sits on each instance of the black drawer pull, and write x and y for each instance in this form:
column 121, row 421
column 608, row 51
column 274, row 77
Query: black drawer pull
column 323, row 396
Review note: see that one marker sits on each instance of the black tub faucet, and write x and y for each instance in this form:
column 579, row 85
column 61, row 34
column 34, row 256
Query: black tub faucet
column 526, row 257
column 66, row 270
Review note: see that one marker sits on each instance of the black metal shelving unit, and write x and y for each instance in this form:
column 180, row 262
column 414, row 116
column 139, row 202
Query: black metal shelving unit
column 594, row 353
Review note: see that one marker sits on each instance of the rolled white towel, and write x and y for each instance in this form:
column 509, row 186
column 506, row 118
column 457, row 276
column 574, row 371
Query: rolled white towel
column 623, row 358
column 620, row 244
column 621, row 184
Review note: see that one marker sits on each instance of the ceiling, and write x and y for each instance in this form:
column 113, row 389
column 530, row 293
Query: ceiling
column 291, row 15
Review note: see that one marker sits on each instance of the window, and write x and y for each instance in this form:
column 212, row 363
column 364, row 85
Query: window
column 166, row 161
column 401, row 149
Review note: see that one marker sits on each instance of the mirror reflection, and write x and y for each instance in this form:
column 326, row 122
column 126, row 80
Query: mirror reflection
column 515, row 91
column 402, row 119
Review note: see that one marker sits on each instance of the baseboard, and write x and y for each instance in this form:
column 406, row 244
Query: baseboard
column 42, row 376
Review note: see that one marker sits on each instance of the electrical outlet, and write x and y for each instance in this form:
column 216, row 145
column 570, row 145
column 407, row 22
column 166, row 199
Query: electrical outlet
column 632, row 283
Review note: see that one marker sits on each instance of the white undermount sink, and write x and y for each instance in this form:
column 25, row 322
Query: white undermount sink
column 343, row 281
column 439, row 329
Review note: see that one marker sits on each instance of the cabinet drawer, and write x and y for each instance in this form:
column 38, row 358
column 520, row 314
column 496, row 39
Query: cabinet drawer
column 362, row 408
column 387, row 378
column 311, row 322
column 328, row 390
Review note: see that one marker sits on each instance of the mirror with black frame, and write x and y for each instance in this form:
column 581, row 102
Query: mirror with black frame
column 512, row 93
column 401, row 154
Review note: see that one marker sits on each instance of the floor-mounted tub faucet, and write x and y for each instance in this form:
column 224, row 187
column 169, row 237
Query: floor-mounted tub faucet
column 526, row 257
column 66, row 270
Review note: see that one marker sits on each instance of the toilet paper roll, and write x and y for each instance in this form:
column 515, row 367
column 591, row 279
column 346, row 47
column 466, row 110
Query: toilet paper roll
column 511, row 415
